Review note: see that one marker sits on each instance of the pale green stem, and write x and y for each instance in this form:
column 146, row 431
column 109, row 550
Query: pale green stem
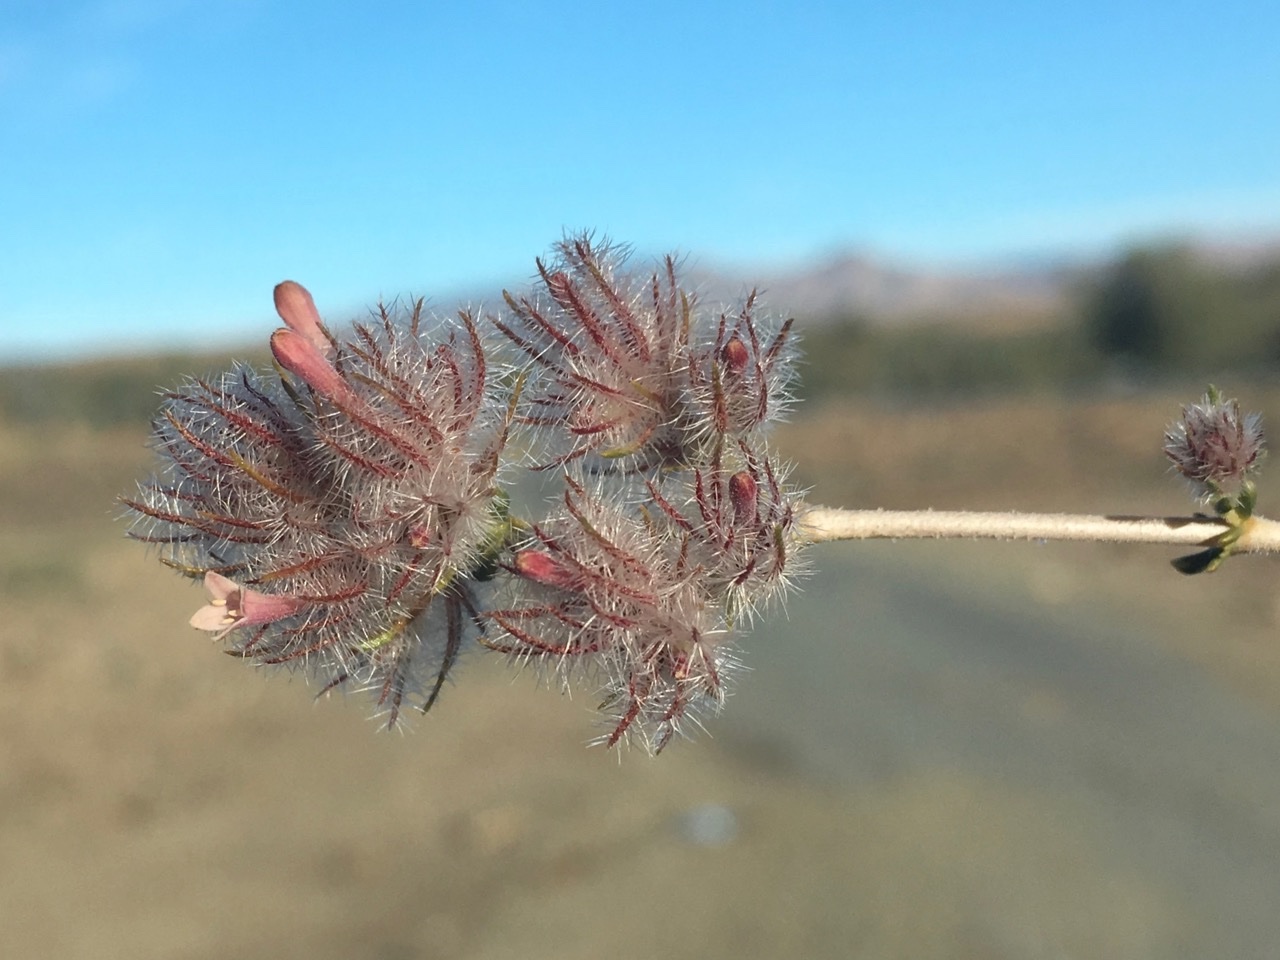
column 818, row 524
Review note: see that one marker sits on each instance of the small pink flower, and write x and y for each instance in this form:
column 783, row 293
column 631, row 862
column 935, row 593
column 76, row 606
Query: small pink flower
column 298, row 354
column 544, row 567
column 232, row 606
column 306, row 349
column 298, row 310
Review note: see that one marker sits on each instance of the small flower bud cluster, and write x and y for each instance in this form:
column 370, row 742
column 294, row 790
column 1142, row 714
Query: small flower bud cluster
column 1217, row 448
column 739, row 382
column 609, row 597
column 737, row 529
column 347, row 514
column 646, row 599
column 630, row 374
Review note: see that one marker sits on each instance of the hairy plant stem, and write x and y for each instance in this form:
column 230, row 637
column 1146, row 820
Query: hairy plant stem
column 818, row 524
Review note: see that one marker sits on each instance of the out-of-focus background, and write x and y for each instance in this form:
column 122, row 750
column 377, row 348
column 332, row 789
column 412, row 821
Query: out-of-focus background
column 1015, row 241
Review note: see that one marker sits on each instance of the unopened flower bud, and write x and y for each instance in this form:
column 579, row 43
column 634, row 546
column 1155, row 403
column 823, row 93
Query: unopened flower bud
column 735, row 356
column 742, row 492
column 544, row 568
column 1214, row 446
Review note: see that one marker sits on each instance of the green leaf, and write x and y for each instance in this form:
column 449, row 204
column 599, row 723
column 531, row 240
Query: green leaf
column 1206, row 561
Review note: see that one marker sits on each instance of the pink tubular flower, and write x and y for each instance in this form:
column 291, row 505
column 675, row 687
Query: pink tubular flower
column 546, row 568
column 299, row 355
column 232, row 606
column 298, row 310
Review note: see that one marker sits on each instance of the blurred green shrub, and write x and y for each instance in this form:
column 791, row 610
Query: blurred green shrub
column 97, row 393
column 937, row 361
column 1155, row 313
column 1166, row 310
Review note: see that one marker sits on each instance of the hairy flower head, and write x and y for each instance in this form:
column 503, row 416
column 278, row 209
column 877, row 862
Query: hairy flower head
column 362, row 486
column 1216, row 447
column 644, row 599
column 630, row 373
column 737, row 526
column 602, row 594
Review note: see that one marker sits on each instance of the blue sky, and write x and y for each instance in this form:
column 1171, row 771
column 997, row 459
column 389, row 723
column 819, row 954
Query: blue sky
column 163, row 163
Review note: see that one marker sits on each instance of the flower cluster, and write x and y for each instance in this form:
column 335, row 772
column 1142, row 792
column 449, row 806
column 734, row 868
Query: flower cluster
column 348, row 513
column 676, row 524
column 606, row 594
column 338, row 512
column 646, row 599
column 1216, row 447
column 630, row 374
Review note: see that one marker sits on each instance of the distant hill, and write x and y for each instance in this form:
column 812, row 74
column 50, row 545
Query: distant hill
column 870, row 288
column 880, row 291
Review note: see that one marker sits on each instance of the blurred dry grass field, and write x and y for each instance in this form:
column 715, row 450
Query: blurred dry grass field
column 159, row 801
